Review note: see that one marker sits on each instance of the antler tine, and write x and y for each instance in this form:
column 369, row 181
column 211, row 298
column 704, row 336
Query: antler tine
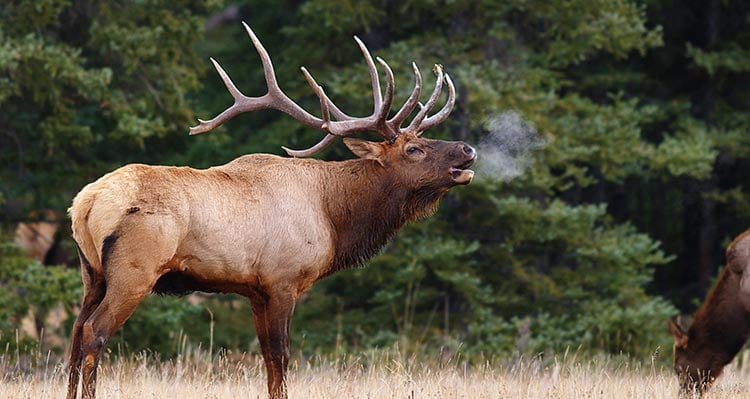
column 377, row 97
column 415, row 125
column 228, row 113
column 337, row 113
column 442, row 115
column 327, row 140
column 265, row 59
column 382, row 114
column 410, row 103
column 282, row 102
column 324, row 100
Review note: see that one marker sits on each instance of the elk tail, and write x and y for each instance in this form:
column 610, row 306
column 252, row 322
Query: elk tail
column 79, row 214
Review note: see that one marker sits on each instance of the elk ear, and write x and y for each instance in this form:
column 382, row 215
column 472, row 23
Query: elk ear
column 365, row 149
column 680, row 336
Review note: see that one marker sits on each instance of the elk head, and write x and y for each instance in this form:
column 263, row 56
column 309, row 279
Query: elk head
column 442, row 163
column 696, row 369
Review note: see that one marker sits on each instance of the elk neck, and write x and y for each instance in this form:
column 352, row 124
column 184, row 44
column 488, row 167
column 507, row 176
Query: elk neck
column 722, row 324
column 367, row 206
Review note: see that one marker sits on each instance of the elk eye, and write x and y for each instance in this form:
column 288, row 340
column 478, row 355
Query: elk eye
column 413, row 150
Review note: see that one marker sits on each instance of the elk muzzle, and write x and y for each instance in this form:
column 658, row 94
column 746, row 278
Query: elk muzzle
column 460, row 171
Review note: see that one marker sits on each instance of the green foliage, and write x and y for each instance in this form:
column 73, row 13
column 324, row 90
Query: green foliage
column 343, row 16
column 734, row 200
column 578, row 29
column 28, row 285
column 732, row 59
column 691, row 156
column 603, row 324
column 79, row 80
column 171, row 326
column 569, row 270
column 157, row 325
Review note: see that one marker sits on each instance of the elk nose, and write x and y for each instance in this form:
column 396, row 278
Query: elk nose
column 469, row 150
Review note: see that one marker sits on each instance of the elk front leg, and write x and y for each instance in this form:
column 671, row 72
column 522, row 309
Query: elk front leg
column 273, row 315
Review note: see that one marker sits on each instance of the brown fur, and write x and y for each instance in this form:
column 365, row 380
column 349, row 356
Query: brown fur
column 261, row 226
column 720, row 326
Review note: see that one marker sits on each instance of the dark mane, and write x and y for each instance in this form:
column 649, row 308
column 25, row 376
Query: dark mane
column 721, row 323
column 384, row 212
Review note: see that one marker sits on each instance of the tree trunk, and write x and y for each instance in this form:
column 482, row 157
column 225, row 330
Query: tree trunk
column 707, row 237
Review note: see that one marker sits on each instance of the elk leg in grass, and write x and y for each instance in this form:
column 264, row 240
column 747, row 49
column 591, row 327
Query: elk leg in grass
column 118, row 304
column 93, row 293
column 260, row 316
column 272, row 322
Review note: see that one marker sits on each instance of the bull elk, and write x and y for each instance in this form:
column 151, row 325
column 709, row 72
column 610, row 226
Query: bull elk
column 262, row 226
column 720, row 326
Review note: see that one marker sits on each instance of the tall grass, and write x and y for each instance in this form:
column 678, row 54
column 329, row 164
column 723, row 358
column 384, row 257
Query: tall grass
column 373, row 374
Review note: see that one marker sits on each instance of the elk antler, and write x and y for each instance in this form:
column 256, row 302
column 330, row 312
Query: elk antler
column 343, row 125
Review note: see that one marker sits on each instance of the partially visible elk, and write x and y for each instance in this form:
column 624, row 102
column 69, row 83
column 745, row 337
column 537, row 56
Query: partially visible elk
column 262, row 226
column 36, row 238
column 720, row 326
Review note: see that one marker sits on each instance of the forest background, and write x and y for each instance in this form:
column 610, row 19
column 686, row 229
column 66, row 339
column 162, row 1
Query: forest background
column 613, row 137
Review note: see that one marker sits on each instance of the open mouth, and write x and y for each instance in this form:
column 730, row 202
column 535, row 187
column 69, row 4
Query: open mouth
column 461, row 174
column 467, row 164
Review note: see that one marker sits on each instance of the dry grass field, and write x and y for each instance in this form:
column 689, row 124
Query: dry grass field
column 374, row 375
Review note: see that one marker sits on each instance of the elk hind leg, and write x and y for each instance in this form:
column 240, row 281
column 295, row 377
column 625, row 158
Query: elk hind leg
column 110, row 315
column 126, row 288
column 93, row 293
